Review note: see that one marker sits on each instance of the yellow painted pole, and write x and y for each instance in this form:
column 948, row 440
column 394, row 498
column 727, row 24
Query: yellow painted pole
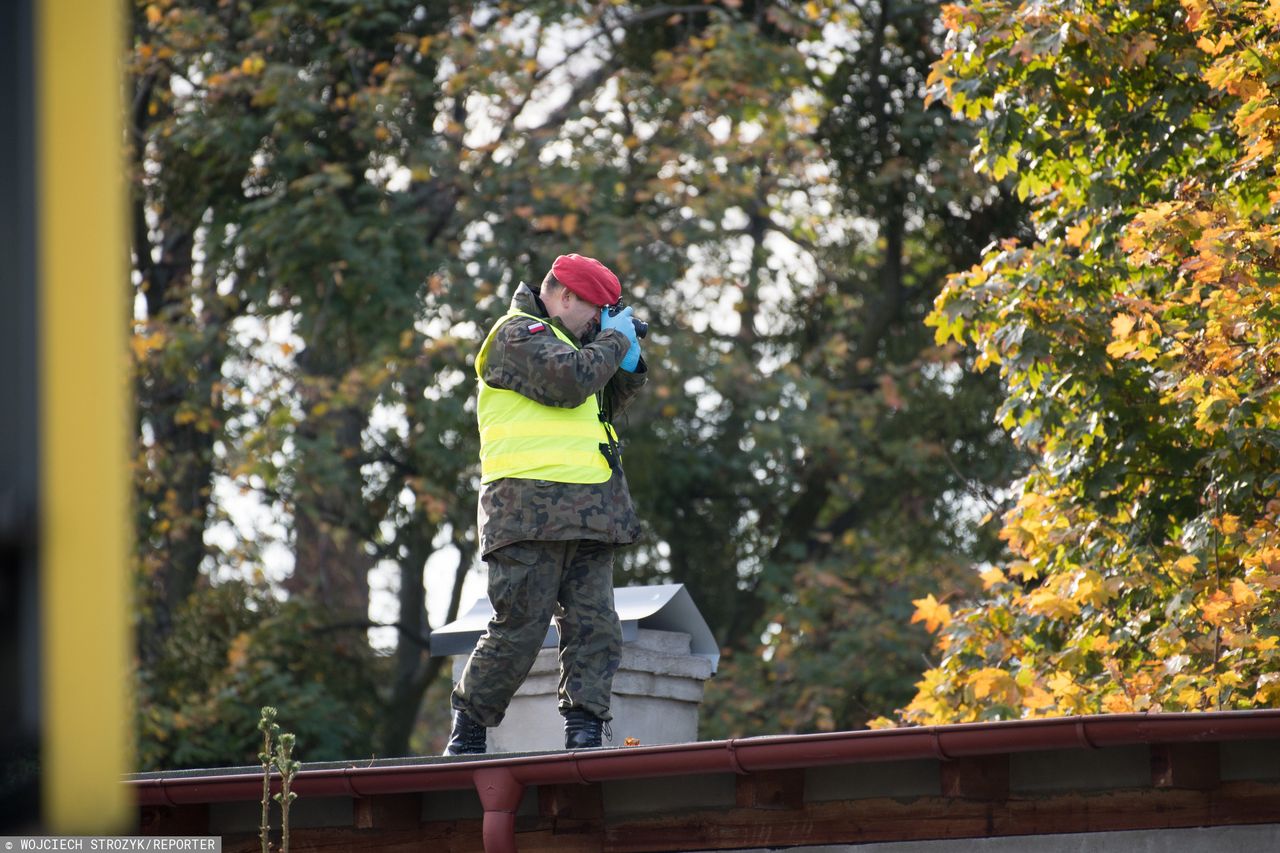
column 84, row 480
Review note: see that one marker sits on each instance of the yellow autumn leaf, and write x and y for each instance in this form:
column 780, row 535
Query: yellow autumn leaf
column 1216, row 608
column 1062, row 684
column 1122, row 326
column 1229, row 678
column 1191, row 697
column 1117, row 703
column 992, row 682
column 1091, row 589
column 1046, row 602
column 953, row 17
column 154, row 15
column 1076, row 234
column 1241, row 594
column 1208, row 415
column 1037, row 698
column 1120, row 349
column 1024, row 570
column 1213, row 48
column 991, row 577
column 930, row 611
column 1100, row 645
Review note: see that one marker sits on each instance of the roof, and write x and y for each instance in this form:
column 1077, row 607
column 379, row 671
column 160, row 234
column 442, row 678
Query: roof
column 998, row 778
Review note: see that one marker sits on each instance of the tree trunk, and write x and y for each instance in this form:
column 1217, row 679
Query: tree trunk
column 415, row 669
column 175, row 468
column 331, row 520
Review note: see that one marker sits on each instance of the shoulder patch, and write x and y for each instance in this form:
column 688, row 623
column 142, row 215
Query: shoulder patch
column 534, row 328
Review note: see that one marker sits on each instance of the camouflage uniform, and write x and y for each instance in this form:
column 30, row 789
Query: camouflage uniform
column 549, row 546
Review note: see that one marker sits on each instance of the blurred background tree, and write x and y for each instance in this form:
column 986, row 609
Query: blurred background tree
column 332, row 203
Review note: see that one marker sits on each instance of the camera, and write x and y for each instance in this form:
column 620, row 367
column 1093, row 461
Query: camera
column 642, row 328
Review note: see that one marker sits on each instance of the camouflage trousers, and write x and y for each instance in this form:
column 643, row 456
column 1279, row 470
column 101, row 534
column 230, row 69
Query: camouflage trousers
column 529, row 583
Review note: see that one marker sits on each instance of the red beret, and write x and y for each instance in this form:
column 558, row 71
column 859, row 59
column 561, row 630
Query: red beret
column 588, row 278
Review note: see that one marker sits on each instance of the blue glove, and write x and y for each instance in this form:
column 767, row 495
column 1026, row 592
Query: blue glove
column 623, row 323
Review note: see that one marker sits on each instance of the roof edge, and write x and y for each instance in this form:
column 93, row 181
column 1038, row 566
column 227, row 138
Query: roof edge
column 738, row 755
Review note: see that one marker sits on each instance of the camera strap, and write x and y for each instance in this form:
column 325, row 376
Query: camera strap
column 610, row 447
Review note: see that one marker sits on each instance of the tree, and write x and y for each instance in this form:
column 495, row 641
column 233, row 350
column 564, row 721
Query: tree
column 1136, row 339
column 335, row 202
column 281, row 289
column 233, row 647
column 887, row 447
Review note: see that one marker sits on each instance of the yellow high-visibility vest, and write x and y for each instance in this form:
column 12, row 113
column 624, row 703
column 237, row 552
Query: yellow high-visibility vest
column 524, row 439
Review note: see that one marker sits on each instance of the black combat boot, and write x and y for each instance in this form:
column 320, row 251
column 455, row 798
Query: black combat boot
column 468, row 737
column 582, row 729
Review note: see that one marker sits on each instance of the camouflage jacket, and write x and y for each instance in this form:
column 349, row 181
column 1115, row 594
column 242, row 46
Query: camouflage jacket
column 546, row 370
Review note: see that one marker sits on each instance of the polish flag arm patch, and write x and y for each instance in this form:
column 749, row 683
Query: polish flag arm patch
column 534, row 328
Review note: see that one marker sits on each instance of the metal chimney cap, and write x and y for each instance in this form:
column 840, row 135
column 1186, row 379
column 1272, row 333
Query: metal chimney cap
column 662, row 607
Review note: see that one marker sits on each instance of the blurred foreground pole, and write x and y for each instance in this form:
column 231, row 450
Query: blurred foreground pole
column 84, row 481
column 19, row 448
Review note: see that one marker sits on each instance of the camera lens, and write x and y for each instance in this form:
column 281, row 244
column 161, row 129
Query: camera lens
column 642, row 328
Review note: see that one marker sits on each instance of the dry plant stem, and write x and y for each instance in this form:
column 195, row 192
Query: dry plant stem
column 268, row 727
column 264, row 829
column 288, row 769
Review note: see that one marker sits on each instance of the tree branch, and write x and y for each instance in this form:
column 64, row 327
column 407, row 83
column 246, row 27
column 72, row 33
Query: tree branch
column 366, row 624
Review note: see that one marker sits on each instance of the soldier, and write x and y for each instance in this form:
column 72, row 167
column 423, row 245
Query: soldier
column 554, row 372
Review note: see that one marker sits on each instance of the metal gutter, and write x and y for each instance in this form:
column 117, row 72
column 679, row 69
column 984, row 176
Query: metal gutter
column 500, row 782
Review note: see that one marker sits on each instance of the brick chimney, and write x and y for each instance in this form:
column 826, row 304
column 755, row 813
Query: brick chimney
column 667, row 653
